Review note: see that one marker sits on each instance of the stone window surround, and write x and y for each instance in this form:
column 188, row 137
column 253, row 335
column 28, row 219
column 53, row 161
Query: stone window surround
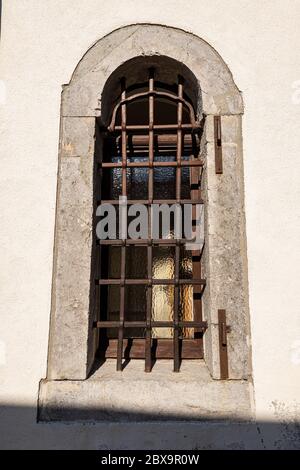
column 72, row 341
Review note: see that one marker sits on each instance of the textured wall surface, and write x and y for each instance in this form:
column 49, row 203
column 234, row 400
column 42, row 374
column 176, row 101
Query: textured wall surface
column 41, row 44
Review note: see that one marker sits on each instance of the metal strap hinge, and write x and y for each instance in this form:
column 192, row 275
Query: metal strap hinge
column 224, row 329
column 218, row 145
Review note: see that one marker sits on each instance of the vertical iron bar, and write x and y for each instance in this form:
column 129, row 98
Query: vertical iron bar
column 123, row 248
column 177, row 248
column 99, row 251
column 151, row 135
column 196, row 254
column 148, row 358
column 123, row 138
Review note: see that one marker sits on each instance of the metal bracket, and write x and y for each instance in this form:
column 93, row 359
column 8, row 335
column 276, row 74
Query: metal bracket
column 218, row 145
column 223, row 330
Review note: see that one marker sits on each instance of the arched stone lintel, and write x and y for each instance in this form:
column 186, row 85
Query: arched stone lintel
column 220, row 94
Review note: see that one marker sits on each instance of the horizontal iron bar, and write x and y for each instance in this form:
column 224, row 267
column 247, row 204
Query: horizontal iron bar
column 107, row 282
column 145, row 242
column 116, row 324
column 143, row 151
column 155, row 201
column 142, row 140
column 145, row 164
column 139, row 127
column 182, row 324
column 154, row 324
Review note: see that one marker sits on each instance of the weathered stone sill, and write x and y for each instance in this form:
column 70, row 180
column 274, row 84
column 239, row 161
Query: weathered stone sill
column 133, row 395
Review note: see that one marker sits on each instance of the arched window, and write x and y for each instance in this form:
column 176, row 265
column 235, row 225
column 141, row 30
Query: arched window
column 149, row 286
column 151, row 143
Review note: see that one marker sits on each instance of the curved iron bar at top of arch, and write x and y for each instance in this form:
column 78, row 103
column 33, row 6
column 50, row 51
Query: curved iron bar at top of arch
column 194, row 123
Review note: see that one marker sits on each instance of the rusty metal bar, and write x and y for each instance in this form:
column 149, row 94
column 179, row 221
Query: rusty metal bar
column 143, row 242
column 148, row 359
column 98, row 272
column 122, row 311
column 159, row 127
column 123, row 249
column 124, row 140
column 196, row 254
column 145, row 164
column 176, row 311
column 155, row 201
column 154, row 282
column 218, row 145
column 154, row 324
column 151, row 94
column 162, row 139
column 223, row 329
column 177, row 248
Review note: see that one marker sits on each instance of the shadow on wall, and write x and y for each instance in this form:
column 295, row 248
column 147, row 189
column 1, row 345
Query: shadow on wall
column 19, row 430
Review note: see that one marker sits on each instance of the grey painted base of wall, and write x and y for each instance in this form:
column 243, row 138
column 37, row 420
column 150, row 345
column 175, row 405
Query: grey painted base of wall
column 133, row 395
column 19, row 430
column 157, row 411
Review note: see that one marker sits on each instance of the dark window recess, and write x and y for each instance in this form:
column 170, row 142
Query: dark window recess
column 149, row 291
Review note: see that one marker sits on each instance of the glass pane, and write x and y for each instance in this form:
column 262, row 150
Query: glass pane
column 186, row 264
column 164, row 179
column 114, row 262
column 136, row 262
column 113, row 307
column 163, row 262
column 163, row 267
column 137, row 183
column 111, row 182
column 135, row 309
column 185, row 183
column 186, row 309
column 113, row 303
column 162, row 309
column 186, row 312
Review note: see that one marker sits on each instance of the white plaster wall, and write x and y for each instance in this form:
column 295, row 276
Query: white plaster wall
column 41, row 43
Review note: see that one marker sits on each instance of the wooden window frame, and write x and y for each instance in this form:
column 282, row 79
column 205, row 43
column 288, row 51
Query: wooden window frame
column 178, row 135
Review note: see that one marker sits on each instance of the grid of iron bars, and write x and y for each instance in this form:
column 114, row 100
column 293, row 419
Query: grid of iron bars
column 182, row 132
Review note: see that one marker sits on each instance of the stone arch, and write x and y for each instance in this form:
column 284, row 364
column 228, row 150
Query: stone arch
column 220, row 95
column 72, row 339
